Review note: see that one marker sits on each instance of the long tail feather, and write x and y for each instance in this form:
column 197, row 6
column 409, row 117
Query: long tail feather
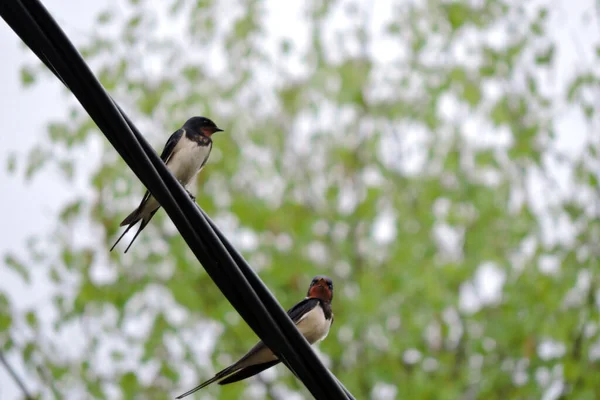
column 121, row 237
column 136, row 235
column 248, row 372
column 194, row 390
column 145, row 222
column 136, row 214
column 219, row 375
column 232, row 374
column 132, row 218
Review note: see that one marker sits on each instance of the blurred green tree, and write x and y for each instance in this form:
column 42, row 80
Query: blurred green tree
column 414, row 151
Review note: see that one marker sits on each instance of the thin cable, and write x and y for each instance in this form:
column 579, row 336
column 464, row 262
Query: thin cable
column 15, row 377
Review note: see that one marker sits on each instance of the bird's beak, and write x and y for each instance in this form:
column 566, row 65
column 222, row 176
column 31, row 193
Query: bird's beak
column 218, row 130
column 321, row 284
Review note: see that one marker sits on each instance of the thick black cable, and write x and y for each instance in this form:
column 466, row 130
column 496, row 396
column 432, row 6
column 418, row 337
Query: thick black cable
column 142, row 141
column 35, row 26
column 202, row 257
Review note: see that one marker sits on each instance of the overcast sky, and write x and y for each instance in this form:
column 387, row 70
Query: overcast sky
column 31, row 208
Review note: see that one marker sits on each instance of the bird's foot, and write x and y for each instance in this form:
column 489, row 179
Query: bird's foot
column 191, row 195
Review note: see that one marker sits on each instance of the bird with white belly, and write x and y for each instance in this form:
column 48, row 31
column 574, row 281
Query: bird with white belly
column 185, row 154
column 313, row 317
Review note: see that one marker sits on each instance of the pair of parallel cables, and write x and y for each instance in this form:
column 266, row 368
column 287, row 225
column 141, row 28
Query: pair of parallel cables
column 30, row 20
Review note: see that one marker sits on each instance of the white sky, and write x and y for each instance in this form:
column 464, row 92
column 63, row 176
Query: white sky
column 31, row 208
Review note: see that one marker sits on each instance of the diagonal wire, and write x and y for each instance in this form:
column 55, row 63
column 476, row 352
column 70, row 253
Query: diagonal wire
column 234, row 277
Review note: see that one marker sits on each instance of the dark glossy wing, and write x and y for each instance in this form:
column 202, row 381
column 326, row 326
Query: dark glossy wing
column 207, row 155
column 166, row 154
column 301, row 308
column 248, row 372
column 295, row 314
column 170, row 145
column 237, row 372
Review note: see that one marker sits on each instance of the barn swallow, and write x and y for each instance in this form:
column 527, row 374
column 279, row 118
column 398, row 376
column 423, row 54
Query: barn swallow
column 313, row 318
column 185, row 154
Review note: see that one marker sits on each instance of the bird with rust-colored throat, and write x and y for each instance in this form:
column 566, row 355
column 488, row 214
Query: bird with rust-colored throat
column 313, row 318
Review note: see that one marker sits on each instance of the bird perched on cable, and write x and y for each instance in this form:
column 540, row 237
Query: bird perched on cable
column 313, row 318
column 185, row 154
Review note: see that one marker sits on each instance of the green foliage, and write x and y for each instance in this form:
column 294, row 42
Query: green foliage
column 310, row 165
column 5, row 316
column 27, row 77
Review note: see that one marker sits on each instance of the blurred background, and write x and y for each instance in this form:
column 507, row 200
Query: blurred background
column 439, row 160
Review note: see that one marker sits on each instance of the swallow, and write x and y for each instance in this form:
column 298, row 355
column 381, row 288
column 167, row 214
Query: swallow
column 185, row 154
column 313, row 318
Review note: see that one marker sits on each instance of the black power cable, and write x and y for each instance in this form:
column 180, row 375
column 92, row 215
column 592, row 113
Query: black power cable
column 230, row 272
